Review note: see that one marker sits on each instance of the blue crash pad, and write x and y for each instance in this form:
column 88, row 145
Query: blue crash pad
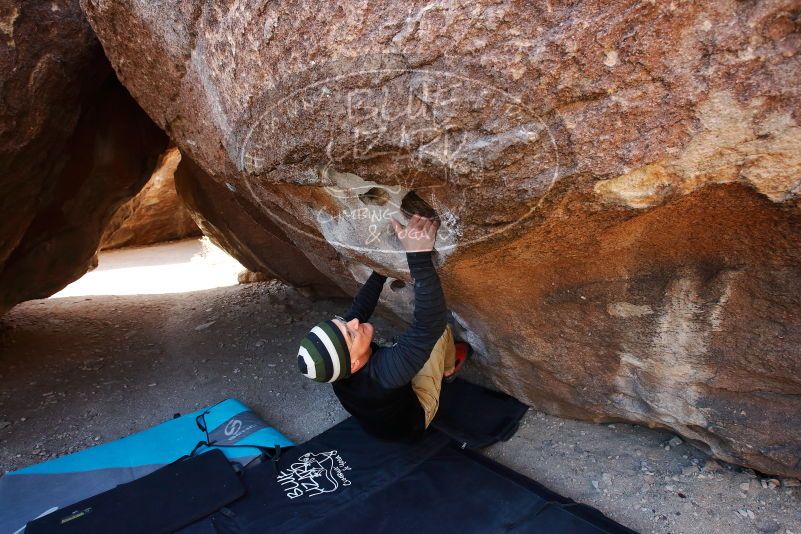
column 33, row 491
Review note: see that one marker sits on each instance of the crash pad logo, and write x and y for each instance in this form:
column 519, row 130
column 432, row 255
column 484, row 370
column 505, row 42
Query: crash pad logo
column 236, row 428
column 233, row 429
column 314, row 474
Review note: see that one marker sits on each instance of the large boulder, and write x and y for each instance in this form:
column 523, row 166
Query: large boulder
column 155, row 214
column 618, row 182
column 73, row 146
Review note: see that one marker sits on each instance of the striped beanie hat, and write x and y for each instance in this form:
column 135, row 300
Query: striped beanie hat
column 323, row 354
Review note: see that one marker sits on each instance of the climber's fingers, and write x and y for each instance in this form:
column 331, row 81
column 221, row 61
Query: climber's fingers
column 396, row 225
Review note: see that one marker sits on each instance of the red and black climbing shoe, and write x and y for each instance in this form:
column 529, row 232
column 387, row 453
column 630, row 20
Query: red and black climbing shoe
column 462, row 353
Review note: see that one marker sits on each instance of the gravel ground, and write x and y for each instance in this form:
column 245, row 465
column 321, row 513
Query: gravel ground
column 79, row 371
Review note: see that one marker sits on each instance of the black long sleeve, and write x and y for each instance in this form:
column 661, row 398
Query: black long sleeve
column 395, row 366
column 366, row 299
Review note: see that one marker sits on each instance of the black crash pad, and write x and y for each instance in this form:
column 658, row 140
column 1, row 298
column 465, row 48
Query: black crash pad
column 346, row 481
column 477, row 417
column 167, row 499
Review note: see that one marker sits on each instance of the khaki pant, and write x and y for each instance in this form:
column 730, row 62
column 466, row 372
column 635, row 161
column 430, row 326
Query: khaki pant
column 427, row 383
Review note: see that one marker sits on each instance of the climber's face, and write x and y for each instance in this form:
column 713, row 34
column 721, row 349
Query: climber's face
column 358, row 337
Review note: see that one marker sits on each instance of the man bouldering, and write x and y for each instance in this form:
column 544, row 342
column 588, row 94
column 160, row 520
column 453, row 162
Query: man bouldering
column 392, row 391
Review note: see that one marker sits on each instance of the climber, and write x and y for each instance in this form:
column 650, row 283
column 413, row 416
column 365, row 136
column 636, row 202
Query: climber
column 392, row 391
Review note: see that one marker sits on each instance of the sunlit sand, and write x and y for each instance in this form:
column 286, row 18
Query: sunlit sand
column 177, row 267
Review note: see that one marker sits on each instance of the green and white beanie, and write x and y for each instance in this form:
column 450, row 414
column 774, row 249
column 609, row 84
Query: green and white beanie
column 323, row 354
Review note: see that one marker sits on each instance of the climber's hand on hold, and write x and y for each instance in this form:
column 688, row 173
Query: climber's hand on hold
column 418, row 235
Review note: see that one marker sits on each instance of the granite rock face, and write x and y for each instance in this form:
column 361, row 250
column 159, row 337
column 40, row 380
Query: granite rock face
column 73, row 147
column 155, row 214
column 618, row 182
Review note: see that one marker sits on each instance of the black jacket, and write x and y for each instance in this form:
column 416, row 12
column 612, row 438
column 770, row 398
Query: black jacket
column 380, row 394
